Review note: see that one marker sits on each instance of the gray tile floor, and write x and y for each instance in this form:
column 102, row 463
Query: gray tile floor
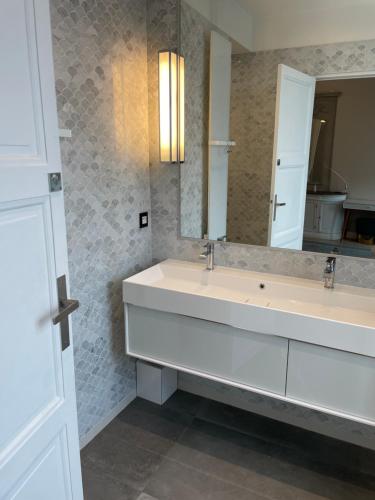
column 196, row 449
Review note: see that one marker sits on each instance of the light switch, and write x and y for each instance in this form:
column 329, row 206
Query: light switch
column 143, row 220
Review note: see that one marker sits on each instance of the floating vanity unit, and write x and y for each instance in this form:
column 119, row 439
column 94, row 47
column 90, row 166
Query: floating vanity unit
column 285, row 337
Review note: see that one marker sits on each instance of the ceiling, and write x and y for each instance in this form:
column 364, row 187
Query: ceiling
column 270, row 7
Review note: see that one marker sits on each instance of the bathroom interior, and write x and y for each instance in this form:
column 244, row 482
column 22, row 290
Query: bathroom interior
column 187, row 243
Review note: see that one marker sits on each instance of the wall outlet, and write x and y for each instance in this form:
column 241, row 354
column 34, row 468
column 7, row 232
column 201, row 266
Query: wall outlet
column 143, row 220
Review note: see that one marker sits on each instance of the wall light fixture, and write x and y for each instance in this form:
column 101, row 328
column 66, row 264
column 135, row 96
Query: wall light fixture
column 171, row 106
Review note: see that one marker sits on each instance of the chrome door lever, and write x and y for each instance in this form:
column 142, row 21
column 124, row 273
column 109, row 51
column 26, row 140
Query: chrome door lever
column 66, row 307
column 276, row 205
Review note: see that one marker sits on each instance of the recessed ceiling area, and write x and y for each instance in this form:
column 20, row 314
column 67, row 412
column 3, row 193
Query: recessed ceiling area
column 257, row 25
column 269, row 6
column 272, row 7
column 297, row 23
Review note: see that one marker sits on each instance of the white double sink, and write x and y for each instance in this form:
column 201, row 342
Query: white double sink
column 294, row 308
column 287, row 337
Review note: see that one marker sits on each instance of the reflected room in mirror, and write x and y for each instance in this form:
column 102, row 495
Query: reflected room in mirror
column 277, row 152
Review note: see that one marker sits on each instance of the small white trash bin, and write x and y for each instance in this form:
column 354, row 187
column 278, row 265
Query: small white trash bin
column 154, row 382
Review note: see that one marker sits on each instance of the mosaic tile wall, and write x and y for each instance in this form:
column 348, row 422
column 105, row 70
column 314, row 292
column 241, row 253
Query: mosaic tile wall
column 196, row 50
column 165, row 217
column 250, row 165
column 100, row 50
column 164, row 177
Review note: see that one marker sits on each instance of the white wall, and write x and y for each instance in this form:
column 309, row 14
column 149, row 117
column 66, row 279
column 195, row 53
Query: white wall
column 296, row 27
column 230, row 17
column 354, row 144
column 264, row 25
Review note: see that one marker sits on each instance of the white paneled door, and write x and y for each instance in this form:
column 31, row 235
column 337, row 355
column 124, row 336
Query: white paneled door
column 39, row 449
column 294, row 112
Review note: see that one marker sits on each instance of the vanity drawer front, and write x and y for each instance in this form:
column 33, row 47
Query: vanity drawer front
column 210, row 348
column 332, row 379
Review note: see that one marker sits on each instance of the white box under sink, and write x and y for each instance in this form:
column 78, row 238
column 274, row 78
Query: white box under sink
column 154, row 382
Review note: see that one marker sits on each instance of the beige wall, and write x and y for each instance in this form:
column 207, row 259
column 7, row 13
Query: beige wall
column 354, row 144
column 229, row 17
column 301, row 23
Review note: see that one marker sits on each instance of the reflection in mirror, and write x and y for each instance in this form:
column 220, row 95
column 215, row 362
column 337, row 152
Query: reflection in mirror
column 340, row 205
column 275, row 155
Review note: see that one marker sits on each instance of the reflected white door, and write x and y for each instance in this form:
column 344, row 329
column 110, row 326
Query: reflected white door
column 220, row 91
column 294, row 112
column 39, row 448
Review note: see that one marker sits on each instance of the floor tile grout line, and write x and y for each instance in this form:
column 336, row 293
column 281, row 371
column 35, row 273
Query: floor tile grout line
column 274, row 442
column 165, row 457
column 169, row 444
column 162, row 456
column 214, row 476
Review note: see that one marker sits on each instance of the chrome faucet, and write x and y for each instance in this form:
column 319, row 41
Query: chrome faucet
column 329, row 273
column 209, row 254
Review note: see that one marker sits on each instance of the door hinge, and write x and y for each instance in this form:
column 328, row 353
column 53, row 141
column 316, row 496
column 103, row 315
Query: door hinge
column 55, row 182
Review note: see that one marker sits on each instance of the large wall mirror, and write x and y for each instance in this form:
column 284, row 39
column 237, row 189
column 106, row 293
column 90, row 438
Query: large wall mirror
column 279, row 147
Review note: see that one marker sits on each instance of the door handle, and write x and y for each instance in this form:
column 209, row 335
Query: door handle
column 276, row 205
column 66, row 307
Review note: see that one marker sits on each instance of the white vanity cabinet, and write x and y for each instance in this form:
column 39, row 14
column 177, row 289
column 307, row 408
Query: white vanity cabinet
column 324, row 216
column 208, row 349
column 332, row 379
column 322, row 378
column 286, row 338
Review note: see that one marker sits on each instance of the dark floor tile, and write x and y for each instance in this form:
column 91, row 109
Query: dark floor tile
column 101, row 449
column 158, row 440
column 347, row 456
column 185, row 402
column 148, row 414
column 120, row 461
column 246, row 422
column 149, row 426
column 192, row 448
column 262, row 467
column 174, row 481
column 100, row 487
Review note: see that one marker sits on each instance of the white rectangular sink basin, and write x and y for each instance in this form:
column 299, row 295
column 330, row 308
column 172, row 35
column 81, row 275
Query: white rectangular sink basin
column 294, row 308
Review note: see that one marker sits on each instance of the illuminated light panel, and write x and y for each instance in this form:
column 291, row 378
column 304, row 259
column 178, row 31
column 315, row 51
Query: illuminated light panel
column 171, row 107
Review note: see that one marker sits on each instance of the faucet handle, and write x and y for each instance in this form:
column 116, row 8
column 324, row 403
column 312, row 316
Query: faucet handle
column 204, row 254
column 330, row 264
column 209, row 250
